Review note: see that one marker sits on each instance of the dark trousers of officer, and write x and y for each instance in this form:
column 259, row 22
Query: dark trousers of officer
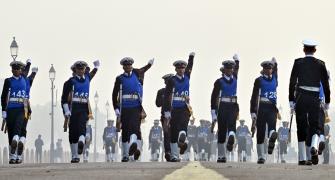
column 24, row 129
column 192, row 143
column 267, row 115
column 77, row 124
column 242, row 144
column 227, row 117
column 167, row 135
column 15, row 120
column 179, row 122
column 131, row 123
column 282, row 147
column 307, row 115
column 110, row 147
column 154, row 146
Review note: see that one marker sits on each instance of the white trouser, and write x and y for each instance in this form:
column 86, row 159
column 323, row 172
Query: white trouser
column 260, row 151
column 302, row 151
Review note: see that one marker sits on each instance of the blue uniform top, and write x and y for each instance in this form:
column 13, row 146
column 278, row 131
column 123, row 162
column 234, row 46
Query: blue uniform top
column 228, row 88
column 203, row 132
column 18, row 89
column 131, row 86
column 81, row 88
column 283, row 134
column 269, row 88
column 242, row 131
column 110, row 133
column 181, row 89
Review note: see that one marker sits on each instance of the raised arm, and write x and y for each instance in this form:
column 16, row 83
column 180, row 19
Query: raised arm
column 189, row 66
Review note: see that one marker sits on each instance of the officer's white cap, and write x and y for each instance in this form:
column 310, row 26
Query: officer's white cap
column 179, row 63
column 126, row 60
column 309, row 42
column 80, row 63
column 17, row 63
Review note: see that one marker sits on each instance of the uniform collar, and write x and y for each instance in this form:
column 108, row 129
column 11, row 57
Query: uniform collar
column 309, row 55
column 228, row 77
column 128, row 74
column 267, row 77
column 180, row 77
column 15, row 77
column 80, row 77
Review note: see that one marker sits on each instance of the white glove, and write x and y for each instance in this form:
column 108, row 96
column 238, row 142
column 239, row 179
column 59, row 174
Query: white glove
column 4, row 114
column 236, row 58
column 34, row 69
column 67, row 111
column 214, row 117
column 167, row 115
column 151, row 61
column 253, row 116
column 117, row 112
column 326, row 106
column 96, row 64
column 192, row 54
column 273, row 60
column 292, row 107
column 28, row 61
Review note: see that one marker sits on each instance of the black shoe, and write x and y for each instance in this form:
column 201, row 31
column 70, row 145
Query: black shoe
column 283, row 161
column 18, row 161
column 322, row 146
column 12, row 161
column 244, row 159
column 20, row 148
column 137, row 154
column 272, row 142
column 302, row 163
column 167, row 156
column 73, row 160
column 261, row 161
column 13, row 147
column 309, row 163
column 80, row 147
column 132, row 148
column 182, row 147
column 125, row 159
column 315, row 157
column 230, row 143
column 222, row 160
column 175, row 160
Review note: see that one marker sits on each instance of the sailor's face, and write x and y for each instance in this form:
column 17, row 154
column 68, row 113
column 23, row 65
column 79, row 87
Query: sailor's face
column 16, row 71
column 228, row 72
column 267, row 71
column 127, row 68
column 80, row 71
column 180, row 70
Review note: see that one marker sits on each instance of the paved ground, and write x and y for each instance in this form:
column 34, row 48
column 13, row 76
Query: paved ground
column 147, row 171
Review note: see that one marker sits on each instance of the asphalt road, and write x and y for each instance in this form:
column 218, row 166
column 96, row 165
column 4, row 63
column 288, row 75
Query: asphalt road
column 149, row 170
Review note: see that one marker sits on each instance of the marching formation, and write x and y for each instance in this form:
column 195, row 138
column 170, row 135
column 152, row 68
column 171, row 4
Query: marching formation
column 309, row 98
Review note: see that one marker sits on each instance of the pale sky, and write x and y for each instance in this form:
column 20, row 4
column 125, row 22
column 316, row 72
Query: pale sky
column 61, row 32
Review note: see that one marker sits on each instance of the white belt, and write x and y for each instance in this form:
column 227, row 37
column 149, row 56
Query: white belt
column 79, row 100
column 178, row 98
column 20, row 100
column 310, row 88
column 229, row 99
column 130, row 96
column 264, row 99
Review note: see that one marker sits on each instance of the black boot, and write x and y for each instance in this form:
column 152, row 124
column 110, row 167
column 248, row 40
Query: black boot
column 315, row 156
column 272, row 142
column 230, row 143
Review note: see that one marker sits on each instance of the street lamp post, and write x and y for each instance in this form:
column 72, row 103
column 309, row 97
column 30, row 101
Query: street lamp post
column 107, row 108
column 96, row 100
column 14, row 49
column 52, row 76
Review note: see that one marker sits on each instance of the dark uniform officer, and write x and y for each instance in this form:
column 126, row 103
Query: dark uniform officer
column 77, row 106
column 283, row 138
column 110, row 139
column 12, row 102
column 176, row 107
column 263, row 107
column 29, row 81
column 192, row 140
column 131, row 94
column 159, row 103
column 242, row 132
column 38, row 149
column 155, row 140
column 224, row 107
column 304, row 89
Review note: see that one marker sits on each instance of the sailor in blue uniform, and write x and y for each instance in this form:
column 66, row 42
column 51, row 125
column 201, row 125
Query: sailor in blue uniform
column 155, row 140
column 12, row 101
column 192, row 140
column 176, row 107
column 263, row 107
column 284, row 139
column 75, row 104
column 242, row 132
column 110, row 139
column 224, row 106
column 127, row 102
